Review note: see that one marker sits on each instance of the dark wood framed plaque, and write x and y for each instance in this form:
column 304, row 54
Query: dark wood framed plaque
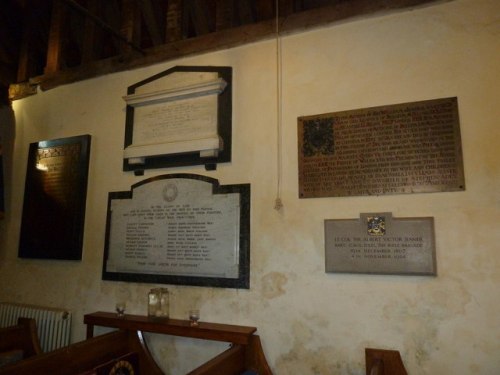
column 182, row 116
column 395, row 149
column 179, row 229
column 55, row 195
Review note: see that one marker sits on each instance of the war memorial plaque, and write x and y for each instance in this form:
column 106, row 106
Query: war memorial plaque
column 179, row 229
column 377, row 243
column 395, row 149
column 55, row 196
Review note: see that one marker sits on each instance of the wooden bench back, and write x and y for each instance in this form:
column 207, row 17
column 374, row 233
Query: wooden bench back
column 84, row 356
column 20, row 341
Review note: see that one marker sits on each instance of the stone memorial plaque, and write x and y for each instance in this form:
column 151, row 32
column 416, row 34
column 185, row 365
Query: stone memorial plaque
column 55, row 195
column 181, row 116
column 179, row 229
column 395, row 149
column 377, row 243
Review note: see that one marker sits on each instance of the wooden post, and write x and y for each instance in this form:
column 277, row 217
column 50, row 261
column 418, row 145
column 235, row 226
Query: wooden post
column 131, row 24
column 55, row 45
column 24, row 65
column 174, row 21
column 89, row 34
column 224, row 14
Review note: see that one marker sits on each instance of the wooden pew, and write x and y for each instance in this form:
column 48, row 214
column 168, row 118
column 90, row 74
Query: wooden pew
column 19, row 341
column 245, row 354
column 384, row 362
column 237, row 360
column 90, row 356
column 97, row 355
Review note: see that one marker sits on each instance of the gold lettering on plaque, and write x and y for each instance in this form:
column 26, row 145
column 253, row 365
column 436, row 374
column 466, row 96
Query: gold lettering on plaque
column 404, row 148
column 59, row 172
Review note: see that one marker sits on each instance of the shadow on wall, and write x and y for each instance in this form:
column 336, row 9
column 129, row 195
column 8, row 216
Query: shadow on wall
column 7, row 136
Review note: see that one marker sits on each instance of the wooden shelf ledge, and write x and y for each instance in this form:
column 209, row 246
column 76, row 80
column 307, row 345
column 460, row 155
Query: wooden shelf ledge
column 175, row 327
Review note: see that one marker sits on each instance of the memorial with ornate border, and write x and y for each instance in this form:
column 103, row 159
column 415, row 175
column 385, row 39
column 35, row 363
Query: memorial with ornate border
column 179, row 229
column 179, row 117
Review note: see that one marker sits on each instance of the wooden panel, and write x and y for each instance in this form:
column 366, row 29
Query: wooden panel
column 21, row 336
column 83, row 356
column 384, row 362
column 229, row 362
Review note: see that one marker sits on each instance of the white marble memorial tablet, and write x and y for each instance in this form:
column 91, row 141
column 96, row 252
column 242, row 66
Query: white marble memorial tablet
column 178, row 226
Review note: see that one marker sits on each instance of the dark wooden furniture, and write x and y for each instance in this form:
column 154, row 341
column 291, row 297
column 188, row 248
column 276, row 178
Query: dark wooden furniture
column 245, row 353
column 19, row 341
column 384, row 362
column 84, row 357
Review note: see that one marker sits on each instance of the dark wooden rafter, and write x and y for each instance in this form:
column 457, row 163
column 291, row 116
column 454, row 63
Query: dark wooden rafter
column 152, row 14
column 246, row 12
column 286, row 7
column 224, row 14
column 167, row 30
column 197, row 17
column 89, row 52
column 24, row 62
column 173, row 28
column 56, row 37
column 130, row 25
column 8, row 49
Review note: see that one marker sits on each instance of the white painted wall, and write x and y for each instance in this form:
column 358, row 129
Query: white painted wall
column 310, row 322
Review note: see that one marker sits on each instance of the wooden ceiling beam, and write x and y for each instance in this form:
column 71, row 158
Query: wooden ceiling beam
column 229, row 38
column 24, row 63
column 199, row 14
column 56, row 33
column 89, row 52
column 245, row 12
column 224, row 14
column 173, row 24
column 130, row 25
column 7, row 74
column 264, row 9
column 150, row 13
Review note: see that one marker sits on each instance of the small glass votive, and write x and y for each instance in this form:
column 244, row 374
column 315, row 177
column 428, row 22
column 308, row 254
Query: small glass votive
column 194, row 316
column 120, row 309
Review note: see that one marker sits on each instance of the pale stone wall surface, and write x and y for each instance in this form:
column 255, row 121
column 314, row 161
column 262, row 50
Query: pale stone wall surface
column 310, row 322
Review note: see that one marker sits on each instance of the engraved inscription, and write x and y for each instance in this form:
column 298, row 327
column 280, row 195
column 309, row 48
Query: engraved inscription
column 176, row 227
column 405, row 148
column 179, row 120
column 59, row 167
column 405, row 247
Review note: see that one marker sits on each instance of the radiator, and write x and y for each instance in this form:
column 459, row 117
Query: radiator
column 53, row 325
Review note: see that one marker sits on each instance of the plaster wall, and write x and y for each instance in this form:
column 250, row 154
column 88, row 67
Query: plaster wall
column 310, row 322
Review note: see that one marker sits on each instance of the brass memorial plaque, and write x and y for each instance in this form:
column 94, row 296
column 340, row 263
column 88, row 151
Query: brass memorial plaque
column 55, row 196
column 395, row 149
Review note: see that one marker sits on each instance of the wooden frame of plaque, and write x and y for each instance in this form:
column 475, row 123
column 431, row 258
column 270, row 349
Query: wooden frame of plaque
column 179, row 117
column 181, row 229
column 55, row 196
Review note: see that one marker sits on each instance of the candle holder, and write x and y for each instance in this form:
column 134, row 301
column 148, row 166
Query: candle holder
column 194, row 316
